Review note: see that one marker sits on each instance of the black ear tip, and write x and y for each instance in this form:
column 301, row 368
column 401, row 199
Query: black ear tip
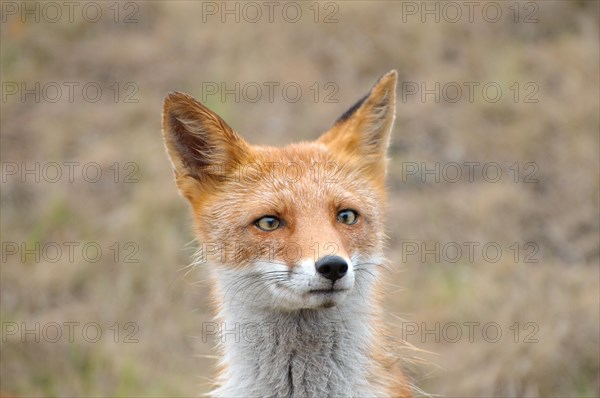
column 352, row 109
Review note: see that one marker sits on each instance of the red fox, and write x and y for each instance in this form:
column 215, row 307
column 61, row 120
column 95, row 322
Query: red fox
column 293, row 241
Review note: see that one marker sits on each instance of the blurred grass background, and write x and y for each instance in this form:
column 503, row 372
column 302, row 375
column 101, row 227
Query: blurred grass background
column 169, row 48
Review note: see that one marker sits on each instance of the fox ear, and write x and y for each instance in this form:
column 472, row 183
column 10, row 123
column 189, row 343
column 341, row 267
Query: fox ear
column 200, row 144
column 364, row 130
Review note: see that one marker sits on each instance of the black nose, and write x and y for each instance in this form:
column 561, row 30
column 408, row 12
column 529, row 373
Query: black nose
column 332, row 267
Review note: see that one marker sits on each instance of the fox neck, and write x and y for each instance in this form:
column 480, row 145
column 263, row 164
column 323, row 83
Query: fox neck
column 309, row 352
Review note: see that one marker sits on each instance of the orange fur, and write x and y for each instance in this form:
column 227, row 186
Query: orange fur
column 230, row 184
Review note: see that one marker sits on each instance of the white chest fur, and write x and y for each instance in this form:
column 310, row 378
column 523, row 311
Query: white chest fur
column 306, row 353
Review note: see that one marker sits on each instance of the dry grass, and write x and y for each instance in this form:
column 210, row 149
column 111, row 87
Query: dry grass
column 170, row 48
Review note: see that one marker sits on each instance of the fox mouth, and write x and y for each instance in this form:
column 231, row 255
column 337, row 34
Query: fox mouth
column 328, row 298
column 327, row 291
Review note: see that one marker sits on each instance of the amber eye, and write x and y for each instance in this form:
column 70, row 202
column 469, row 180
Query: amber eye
column 267, row 223
column 347, row 216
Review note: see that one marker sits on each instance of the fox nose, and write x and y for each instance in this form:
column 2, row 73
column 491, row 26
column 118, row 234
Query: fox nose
column 332, row 267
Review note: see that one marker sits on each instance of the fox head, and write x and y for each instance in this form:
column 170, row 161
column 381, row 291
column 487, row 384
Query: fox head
column 286, row 228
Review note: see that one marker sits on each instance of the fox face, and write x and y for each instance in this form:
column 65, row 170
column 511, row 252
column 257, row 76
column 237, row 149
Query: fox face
column 298, row 227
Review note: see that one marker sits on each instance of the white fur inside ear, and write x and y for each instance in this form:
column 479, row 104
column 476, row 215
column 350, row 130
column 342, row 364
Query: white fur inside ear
column 377, row 126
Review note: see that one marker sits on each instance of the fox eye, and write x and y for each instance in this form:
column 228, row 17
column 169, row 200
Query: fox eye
column 347, row 216
column 268, row 223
